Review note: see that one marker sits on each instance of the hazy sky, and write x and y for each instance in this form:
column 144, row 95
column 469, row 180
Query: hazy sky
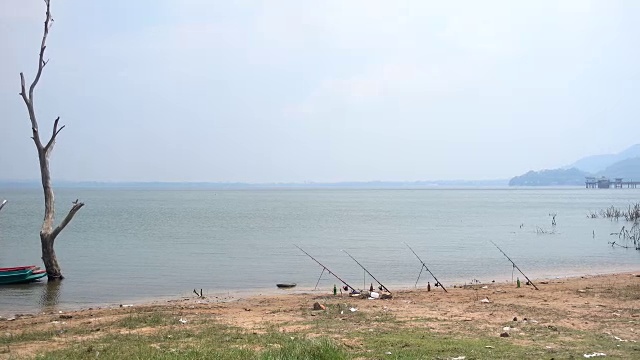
column 292, row 91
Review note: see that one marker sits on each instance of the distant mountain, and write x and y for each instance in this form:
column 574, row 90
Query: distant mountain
column 555, row 177
column 628, row 169
column 596, row 163
column 625, row 164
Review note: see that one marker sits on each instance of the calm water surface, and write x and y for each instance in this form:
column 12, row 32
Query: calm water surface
column 133, row 245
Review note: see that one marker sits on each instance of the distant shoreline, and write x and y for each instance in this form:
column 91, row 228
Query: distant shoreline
column 371, row 185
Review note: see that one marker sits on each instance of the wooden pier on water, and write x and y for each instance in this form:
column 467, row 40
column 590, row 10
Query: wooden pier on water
column 606, row 183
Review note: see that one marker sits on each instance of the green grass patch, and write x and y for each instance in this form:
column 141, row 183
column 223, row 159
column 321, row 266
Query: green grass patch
column 214, row 342
column 319, row 349
column 343, row 335
column 418, row 344
column 151, row 319
column 11, row 338
column 410, row 344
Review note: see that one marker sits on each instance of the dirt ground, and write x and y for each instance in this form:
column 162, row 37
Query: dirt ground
column 604, row 303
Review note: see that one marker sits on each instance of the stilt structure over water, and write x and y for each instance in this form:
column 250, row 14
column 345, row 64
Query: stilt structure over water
column 605, row 183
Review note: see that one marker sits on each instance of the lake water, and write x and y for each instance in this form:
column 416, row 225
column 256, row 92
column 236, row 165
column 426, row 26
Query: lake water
column 135, row 245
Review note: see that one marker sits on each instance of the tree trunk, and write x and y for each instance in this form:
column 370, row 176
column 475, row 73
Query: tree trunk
column 49, row 258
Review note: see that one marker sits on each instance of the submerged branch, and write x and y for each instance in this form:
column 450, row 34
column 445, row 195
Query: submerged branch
column 541, row 231
column 630, row 235
column 632, row 213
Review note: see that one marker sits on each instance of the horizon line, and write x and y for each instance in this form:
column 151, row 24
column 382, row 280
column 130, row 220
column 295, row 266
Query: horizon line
column 240, row 185
column 306, row 182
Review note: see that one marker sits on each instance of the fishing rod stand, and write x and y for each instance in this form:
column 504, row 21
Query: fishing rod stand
column 421, row 270
column 320, row 277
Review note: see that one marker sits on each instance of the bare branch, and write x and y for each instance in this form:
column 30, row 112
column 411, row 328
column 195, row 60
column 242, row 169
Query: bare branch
column 23, row 90
column 74, row 209
column 615, row 244
column 55, row 125
column 32, row 113
column 54, row 133
column 43, row 46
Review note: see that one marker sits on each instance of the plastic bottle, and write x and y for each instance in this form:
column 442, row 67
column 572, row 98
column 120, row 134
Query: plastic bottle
column 517, row 282
column 335, row 289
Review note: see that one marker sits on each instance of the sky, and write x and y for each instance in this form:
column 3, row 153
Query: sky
column 322, row 91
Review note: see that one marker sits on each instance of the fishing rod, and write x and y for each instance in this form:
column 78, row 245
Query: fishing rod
column 4, row 202
column 515, row 266
column 424, row 266
column 363, row 268
column 327, row 269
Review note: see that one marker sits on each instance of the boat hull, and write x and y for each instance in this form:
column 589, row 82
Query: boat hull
column 285, row 286
column 16, row 268
column 21, row 278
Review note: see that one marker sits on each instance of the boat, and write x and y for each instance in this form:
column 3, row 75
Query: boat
column 16, row 268
column 286, row 285
column 26, row 275
column 35, row 275
column 5, row 274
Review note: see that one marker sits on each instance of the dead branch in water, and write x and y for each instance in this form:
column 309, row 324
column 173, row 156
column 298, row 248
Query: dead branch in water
column 541, row 231
column 632, row 213
column 631, row 235
column 614, row 244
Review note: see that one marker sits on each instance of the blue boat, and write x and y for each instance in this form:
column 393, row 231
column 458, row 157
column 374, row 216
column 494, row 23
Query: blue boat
column 20, row 276
column 16, row 272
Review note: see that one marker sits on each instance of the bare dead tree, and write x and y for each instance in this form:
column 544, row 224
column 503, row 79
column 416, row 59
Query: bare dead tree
column 48, row 233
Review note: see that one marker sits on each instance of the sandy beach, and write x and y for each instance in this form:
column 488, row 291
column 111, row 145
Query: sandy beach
column 608, row 305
